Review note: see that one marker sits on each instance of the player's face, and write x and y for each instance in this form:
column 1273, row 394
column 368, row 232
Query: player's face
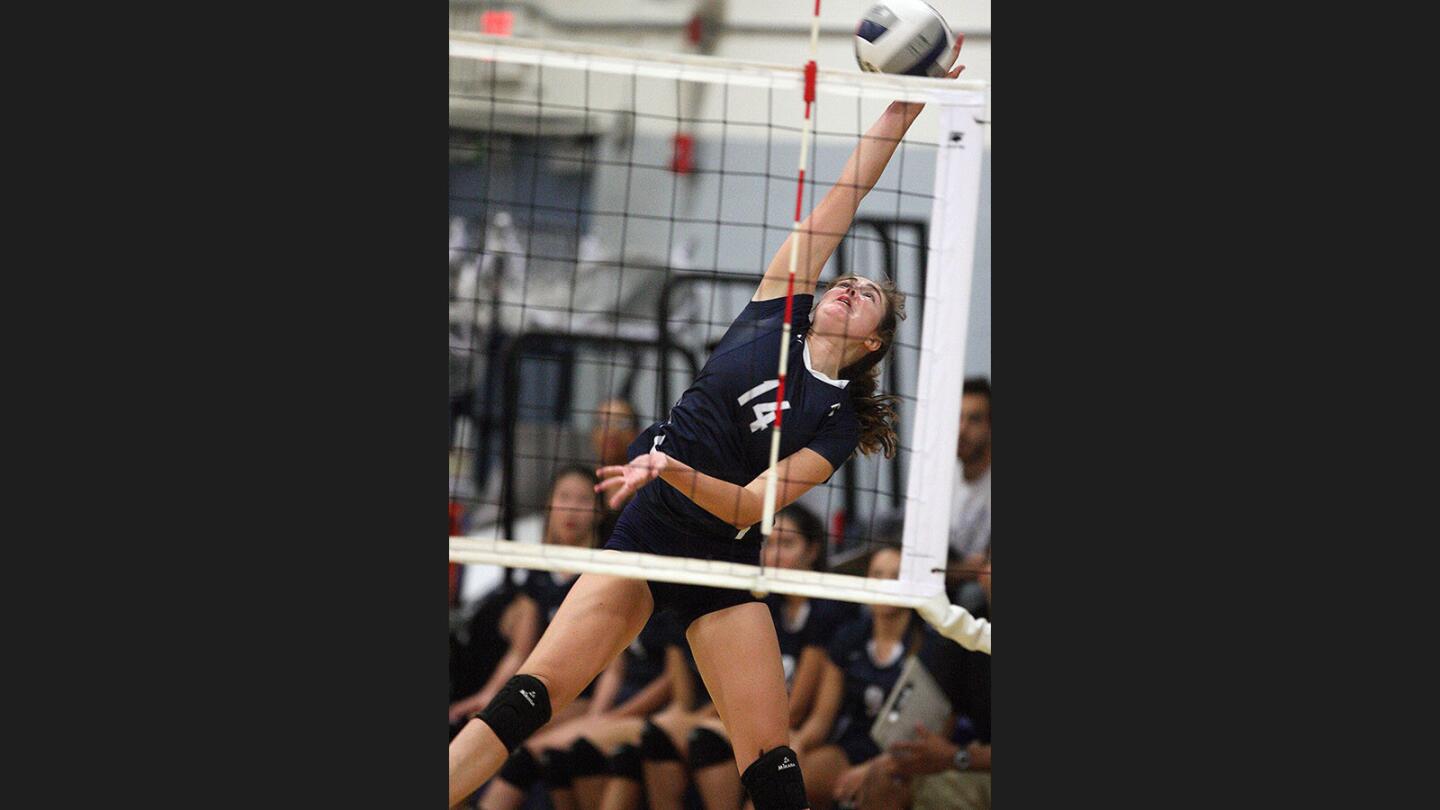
column 572, row 511
column 851, row 308
column 787, row 547
column 974, row 426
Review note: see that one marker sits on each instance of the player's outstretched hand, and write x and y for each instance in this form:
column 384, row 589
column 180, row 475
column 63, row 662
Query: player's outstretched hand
column 911, row 109
column 623, row 481
column 954, row 55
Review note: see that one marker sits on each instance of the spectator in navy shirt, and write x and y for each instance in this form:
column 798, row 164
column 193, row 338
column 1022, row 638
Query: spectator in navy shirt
column 865, row 659
column 572, row 515
column 803, row 626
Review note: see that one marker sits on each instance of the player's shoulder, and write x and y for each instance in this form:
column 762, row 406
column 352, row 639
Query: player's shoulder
column 766, row 306
column 762, row 316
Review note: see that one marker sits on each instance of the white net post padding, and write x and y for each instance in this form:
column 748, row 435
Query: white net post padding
column 936, row 424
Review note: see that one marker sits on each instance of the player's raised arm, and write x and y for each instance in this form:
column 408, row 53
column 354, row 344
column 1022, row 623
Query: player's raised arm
column 821, row 232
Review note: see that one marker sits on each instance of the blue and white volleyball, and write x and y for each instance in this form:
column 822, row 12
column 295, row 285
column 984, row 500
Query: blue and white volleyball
column 905, row 37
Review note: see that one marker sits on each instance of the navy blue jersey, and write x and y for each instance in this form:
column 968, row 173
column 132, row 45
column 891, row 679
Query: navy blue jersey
column 814, row 625
column 721, row 424
column 868, row 682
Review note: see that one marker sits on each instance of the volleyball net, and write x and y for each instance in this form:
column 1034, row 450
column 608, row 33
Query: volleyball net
column 611, row 212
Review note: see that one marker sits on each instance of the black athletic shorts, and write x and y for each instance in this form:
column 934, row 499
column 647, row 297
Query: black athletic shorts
column 637, row 530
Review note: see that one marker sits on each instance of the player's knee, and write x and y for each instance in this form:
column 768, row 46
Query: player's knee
column 774, row 781
column 708, row 748
column 656, row 745
column 518, row 711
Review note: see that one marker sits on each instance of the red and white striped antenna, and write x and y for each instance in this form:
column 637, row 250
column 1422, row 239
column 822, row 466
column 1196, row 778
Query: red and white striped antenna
column 771, row 477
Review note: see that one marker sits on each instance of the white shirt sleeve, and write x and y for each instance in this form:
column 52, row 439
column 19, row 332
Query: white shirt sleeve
column 957, row 624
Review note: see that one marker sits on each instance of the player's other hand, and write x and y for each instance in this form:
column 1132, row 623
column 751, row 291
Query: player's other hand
column 623, row 481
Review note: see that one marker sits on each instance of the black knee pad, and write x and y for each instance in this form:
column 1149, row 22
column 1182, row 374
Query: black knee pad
column 521, row 770
column 774, row 781
column 521, row 708
column 586, row 760
column 655, row 744
column 625, row 762
column 555, row 768
column 708, row 748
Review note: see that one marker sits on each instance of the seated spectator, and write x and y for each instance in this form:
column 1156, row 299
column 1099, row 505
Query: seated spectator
column 486, row 646
column 683, row 749
column 933, row 772
column 615, row 424
column 864, row 662
column 596, row 759
column 804, row 627
column 571, row 520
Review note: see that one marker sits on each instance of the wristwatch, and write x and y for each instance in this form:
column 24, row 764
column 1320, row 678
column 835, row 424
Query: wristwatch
column 961, row 762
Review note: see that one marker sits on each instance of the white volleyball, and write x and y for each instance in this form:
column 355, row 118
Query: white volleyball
column 905, row 37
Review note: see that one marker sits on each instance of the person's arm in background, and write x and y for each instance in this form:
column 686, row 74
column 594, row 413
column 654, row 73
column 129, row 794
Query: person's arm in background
column 827, row 703
column 607, row 687
column 931, row 753
column 682, row 686
column 647, row 700
column 806, row 682
column 888, row 784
